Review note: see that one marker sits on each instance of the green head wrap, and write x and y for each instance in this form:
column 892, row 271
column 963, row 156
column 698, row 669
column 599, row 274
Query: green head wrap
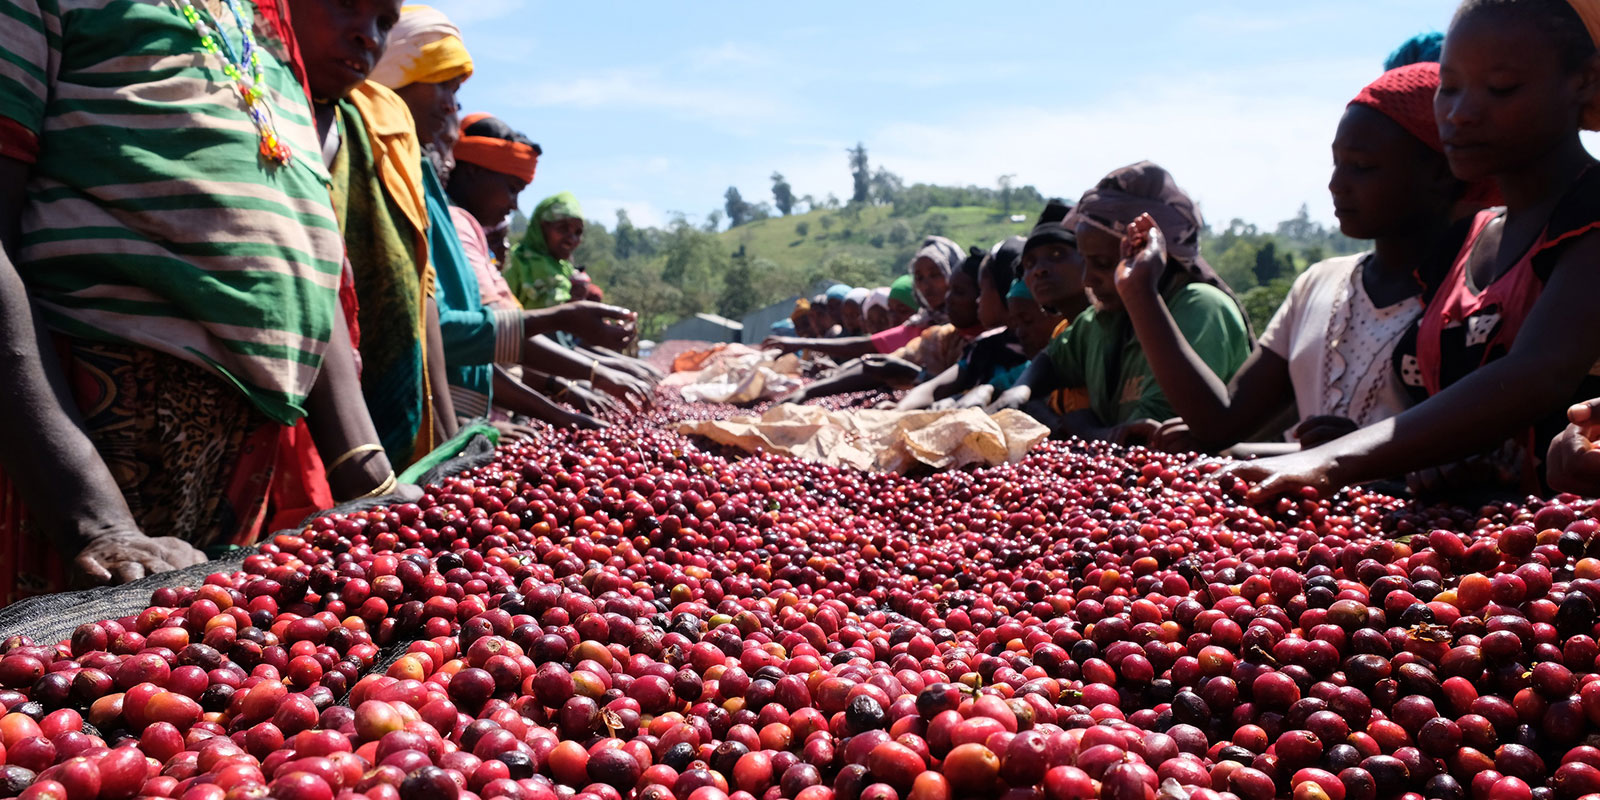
column 536, row 277
column 904, row 289
column 1019, row 291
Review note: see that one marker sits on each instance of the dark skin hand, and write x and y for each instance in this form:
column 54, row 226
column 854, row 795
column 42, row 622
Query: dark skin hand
column 517, row 398
column 573, row 393
column 542, row 355
column 637, row 364
column 1212, row 410
column 605, row 325
column 944, row 385
column 69, row 492
column 1574, row 456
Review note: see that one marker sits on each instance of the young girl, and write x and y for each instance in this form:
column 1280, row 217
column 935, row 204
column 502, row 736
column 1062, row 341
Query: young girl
column 1101, row 353
column 1326, row 353
column 875, row 311
column 1501, row 347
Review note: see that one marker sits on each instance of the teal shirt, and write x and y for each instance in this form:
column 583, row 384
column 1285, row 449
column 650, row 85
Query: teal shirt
column 1082, row 355
column 465, row 326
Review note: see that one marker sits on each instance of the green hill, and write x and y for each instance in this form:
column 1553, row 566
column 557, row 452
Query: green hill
column 669, row 273
column 866, row 242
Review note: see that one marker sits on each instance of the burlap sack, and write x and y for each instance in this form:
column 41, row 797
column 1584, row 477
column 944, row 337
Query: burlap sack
column 880, row 441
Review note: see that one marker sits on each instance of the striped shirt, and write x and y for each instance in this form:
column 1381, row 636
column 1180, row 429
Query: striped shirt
column 150, row 217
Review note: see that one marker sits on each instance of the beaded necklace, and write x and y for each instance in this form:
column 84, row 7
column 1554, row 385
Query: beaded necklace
column 244, row 69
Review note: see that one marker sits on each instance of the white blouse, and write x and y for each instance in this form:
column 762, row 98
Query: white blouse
column 1338, row 344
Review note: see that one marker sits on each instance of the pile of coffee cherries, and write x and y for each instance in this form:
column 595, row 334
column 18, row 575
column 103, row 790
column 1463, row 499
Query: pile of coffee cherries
column 626, row 614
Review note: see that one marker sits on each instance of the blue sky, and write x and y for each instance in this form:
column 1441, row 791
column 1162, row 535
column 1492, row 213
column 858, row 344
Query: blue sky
column 659, row 107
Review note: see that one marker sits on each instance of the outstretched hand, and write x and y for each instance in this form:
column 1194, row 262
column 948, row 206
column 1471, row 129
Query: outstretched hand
column 1284, row 474
column 116, row 558
column 1574, row 455
column 600, row 324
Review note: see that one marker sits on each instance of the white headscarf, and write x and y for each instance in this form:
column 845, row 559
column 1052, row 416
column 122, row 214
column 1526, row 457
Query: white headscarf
column 947, row 255
column 424, row 47
column 878, row 298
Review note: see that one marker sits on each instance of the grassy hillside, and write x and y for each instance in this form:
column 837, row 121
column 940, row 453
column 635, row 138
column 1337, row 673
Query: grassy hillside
column 849, row 240
column 669, row 273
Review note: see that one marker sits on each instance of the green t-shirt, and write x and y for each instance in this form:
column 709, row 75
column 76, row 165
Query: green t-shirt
column 1209, row 320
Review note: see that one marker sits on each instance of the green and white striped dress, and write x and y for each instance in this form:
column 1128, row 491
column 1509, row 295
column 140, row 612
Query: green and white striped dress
column 150, row 218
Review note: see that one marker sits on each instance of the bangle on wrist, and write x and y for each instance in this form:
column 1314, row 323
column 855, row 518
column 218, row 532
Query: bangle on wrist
column 386, row 487
column 352, row 453
column 594, row 366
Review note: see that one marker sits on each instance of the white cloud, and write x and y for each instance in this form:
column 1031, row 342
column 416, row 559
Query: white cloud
column 642, row 214
column 645, row 89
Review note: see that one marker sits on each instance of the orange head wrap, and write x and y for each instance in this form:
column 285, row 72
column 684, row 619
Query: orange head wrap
column 500, row 155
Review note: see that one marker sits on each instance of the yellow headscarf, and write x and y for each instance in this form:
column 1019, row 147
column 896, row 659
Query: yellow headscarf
column 1589, row 12
column 424, row 47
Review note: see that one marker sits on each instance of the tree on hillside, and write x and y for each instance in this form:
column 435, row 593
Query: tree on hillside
column 847, row 269
column 1005, row 193
column 1269, row 263
column 886, row 187
column 1261, row 302
column 1235, row 262
column 827, row 222
column 782, row 194
column 861, row 172
column 809, row 202
column 695, row 260
column 1301, row 228
column 802, row 229
column 713, row 221
column 627, row 236
column 739, row 294
column 738, row 210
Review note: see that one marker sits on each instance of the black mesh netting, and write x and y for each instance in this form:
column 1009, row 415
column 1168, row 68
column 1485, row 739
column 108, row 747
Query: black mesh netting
column 52, row 618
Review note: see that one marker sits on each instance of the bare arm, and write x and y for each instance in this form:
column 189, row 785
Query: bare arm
column 851, row 377
column 444, row 409
column 1218, row 415
column 945, row 384
column 337, row 416
column 517, row 398
column 837, row 349
column 1546, row 363
column 543, row 355
column 1039, row 377
column 69, row 492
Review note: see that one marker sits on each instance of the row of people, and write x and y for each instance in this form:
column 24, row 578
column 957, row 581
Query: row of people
column 1447, row 355
column 251, row 268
